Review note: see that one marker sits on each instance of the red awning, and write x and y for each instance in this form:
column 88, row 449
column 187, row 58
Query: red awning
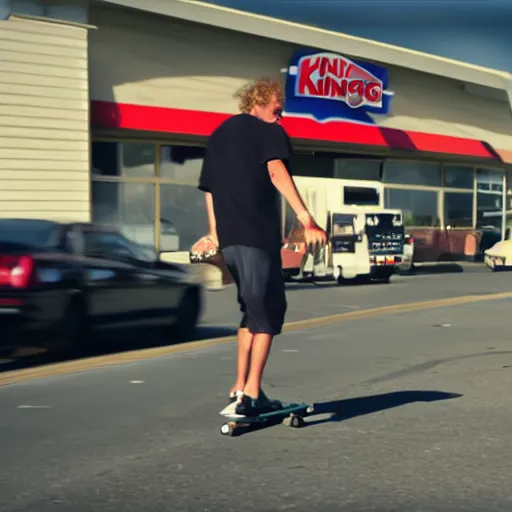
column 194, row 122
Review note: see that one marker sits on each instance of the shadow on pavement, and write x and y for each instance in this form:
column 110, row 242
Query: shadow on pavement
column 341, row 410
column 120, row 340
column 445, row 268
column 309, row 285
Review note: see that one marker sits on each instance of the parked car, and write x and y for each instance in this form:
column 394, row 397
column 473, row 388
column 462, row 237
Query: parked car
column 61, row 282
column 498, row 257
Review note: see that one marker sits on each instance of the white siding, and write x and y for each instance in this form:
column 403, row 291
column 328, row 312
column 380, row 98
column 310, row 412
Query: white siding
column 44, row 120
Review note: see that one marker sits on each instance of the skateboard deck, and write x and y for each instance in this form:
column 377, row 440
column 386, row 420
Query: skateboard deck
column 291, row 415
column 204, row 251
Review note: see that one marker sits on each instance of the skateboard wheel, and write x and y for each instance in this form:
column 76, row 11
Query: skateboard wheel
column 227, row 429
column 293, row 421
column 310, row 409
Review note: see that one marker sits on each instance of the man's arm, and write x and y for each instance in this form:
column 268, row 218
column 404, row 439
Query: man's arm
column 284, row 183
column 314, row 235
column 276, row 148
column 212, row 222
column 205, row 182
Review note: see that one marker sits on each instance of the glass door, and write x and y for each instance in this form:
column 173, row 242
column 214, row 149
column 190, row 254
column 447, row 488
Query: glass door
column 490, row 213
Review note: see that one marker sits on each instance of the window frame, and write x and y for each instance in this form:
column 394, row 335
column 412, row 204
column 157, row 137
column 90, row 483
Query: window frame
column 156, row 179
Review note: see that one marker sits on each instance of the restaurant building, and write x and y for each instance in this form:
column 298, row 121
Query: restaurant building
column 106, row 108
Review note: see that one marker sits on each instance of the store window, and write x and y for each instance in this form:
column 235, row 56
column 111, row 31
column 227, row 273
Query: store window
column 123, row 160
column 456, row 176
column 183, row 217
column 166, row 211
column 358, row 169
column 419, row 207
column 181, row 163
column 412, row 173
column 458, row 210
column 129, row 207
column 316, row 164
column 489, row 199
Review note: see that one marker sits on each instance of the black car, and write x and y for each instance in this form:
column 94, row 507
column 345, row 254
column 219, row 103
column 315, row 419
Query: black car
column 60, row 283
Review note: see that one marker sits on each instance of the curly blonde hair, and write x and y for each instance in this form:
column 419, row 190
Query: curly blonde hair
column 258, row 93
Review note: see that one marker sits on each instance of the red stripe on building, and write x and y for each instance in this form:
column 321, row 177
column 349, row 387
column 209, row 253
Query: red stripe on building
column 111, row 115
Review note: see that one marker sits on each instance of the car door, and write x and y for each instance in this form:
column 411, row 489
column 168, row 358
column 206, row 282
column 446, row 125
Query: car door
column 140, row 291
column 158, row 286
column 108, row 279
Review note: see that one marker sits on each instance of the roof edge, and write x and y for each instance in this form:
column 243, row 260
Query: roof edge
column 309, row 36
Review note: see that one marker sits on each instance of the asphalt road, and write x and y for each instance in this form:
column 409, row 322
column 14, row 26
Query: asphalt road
column 408, row 419
column 310, row 301
column 221, row 315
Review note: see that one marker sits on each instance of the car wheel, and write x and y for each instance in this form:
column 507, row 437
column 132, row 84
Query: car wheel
column 189, row 311
column 70, row 332
column 383, row 276
column 491, row 265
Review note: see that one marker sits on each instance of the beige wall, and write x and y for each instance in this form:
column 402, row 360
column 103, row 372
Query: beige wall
column 427, row 103
column 150, row 60
column 44, row 120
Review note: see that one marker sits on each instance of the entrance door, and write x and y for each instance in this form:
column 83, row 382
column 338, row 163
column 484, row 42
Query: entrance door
column 489, row 206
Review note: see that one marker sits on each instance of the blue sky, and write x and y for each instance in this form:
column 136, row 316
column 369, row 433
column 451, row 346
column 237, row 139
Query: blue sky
column 475, row 31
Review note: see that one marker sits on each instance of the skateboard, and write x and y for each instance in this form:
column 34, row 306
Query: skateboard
column 291, row 415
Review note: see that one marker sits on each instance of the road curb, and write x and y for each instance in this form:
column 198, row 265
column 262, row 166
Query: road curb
column 96, row 362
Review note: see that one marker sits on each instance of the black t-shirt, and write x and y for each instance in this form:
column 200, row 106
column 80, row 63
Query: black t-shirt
column 246, row 203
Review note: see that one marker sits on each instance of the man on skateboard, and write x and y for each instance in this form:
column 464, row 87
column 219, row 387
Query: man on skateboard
column 244, row 170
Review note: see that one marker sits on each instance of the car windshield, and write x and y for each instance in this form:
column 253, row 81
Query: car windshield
column 141, row 252
column 342, row 224
column 31, row 233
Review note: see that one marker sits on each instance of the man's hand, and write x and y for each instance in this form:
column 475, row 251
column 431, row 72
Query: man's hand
column 206, row 244
column 315, row 236
column 213, row 237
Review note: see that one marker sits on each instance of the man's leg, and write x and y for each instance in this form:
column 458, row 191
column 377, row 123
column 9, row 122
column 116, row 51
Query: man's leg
column 232, row 259
column 245, row 339
column 263, row 293
column 261, row 345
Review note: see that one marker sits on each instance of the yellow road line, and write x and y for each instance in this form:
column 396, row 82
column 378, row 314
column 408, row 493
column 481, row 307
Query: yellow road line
column 90, row 363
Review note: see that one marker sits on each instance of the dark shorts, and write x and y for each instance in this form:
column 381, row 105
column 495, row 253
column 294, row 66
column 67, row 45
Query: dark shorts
column 261, row 292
